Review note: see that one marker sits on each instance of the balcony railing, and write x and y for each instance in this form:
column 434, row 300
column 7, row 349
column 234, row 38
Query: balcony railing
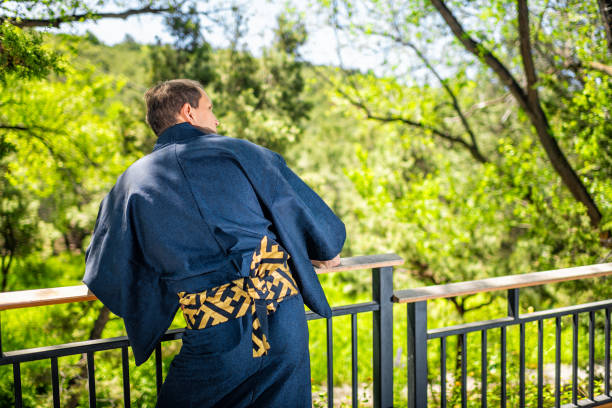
column 418, row 337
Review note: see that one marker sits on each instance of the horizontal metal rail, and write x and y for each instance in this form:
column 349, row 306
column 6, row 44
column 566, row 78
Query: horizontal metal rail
column 80, row 347
column 512, row 321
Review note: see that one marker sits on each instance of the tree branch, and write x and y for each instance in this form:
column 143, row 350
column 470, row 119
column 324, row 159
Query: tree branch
column 6, row 267
column 483, row 104
column 453, row 139
column 77, row 380
column 56, row 156
column 394, row 118
column 606, row 69
column 487, row 303
column 482, row 53
column 443, row 82
column 45, row 142
column 533, row 110
column 525, row 45
column 55, row 22
column 14, row 127
column 42, row 140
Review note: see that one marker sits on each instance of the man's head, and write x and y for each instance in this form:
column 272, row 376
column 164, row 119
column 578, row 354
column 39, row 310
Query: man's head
column 176, row 101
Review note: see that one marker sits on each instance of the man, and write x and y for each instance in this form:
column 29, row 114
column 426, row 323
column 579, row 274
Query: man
column 225, row 230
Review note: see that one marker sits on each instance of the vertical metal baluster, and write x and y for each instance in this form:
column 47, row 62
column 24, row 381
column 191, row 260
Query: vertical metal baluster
column 483, row 369
column 91, row 377
column 522, row 366
column 591, row 354
column 55, row 382
column 513, row 311
column 464, row 371
column 417, row 355
column 382, row 339
column 575, row 358
column 557, row 362
column 540, row 363
column 354, row 362
column 607, row 355
column 17, row 385
column 158, row 367
column 502, row 341
column 443, row 372
column 330, row 364
column 126, row 376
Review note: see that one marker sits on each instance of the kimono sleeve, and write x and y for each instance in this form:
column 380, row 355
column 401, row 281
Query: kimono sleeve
column 304, row 214
column 120, row 279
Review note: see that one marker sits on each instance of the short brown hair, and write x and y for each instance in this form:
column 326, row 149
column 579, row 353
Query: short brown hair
column 165, row 100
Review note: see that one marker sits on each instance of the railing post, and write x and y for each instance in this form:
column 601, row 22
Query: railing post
column 513, row 303
column 382, row 291
column 417, row 354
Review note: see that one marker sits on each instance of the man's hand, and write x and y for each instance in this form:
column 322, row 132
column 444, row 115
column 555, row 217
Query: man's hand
column 326, row 264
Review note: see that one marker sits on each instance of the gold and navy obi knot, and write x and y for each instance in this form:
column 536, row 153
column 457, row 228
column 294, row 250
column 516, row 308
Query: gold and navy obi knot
column 269, row 283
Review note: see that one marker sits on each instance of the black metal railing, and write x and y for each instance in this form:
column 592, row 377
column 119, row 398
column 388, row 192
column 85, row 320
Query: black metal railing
column 418, row 337
column 384, row 299
column 380, row 307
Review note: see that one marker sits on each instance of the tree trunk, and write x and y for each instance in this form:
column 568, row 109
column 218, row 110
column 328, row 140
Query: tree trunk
column 6, row 266
column 605, row 8
column 528, row 101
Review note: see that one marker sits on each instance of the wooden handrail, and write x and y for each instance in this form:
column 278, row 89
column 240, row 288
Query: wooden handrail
column 501, row 283
column 48, row 296
column 80, row 293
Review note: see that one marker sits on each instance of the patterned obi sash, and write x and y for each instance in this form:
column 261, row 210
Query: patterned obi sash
column 270, row 282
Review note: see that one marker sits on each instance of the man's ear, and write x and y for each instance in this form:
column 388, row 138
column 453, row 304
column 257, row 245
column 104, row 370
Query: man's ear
column 186, row 113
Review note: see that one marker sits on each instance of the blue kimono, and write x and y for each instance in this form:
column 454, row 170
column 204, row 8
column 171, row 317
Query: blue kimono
column 186, row 218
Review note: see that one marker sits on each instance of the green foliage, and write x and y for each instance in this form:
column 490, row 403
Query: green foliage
column 62, row 151
column 23, row 55
column 398, row 187
column 18, row 228
column 255, row 99
column 189, row 56
column 453, row 217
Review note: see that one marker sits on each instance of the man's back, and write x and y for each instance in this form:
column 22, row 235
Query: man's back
column 191, row 206
column 224, row 227
column 188, row 217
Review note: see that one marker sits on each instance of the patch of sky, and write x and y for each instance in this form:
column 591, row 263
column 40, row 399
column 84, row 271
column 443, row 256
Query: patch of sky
column 327, row 44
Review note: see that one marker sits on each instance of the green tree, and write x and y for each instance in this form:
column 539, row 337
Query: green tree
column 496, row 26
column 449, row 169
column 259, row 99
column 21, row 48
column 18, row 226
column 456, row 101
column 61, row 158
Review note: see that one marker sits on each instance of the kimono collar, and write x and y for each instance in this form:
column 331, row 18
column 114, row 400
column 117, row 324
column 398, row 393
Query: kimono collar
column 179, row 132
